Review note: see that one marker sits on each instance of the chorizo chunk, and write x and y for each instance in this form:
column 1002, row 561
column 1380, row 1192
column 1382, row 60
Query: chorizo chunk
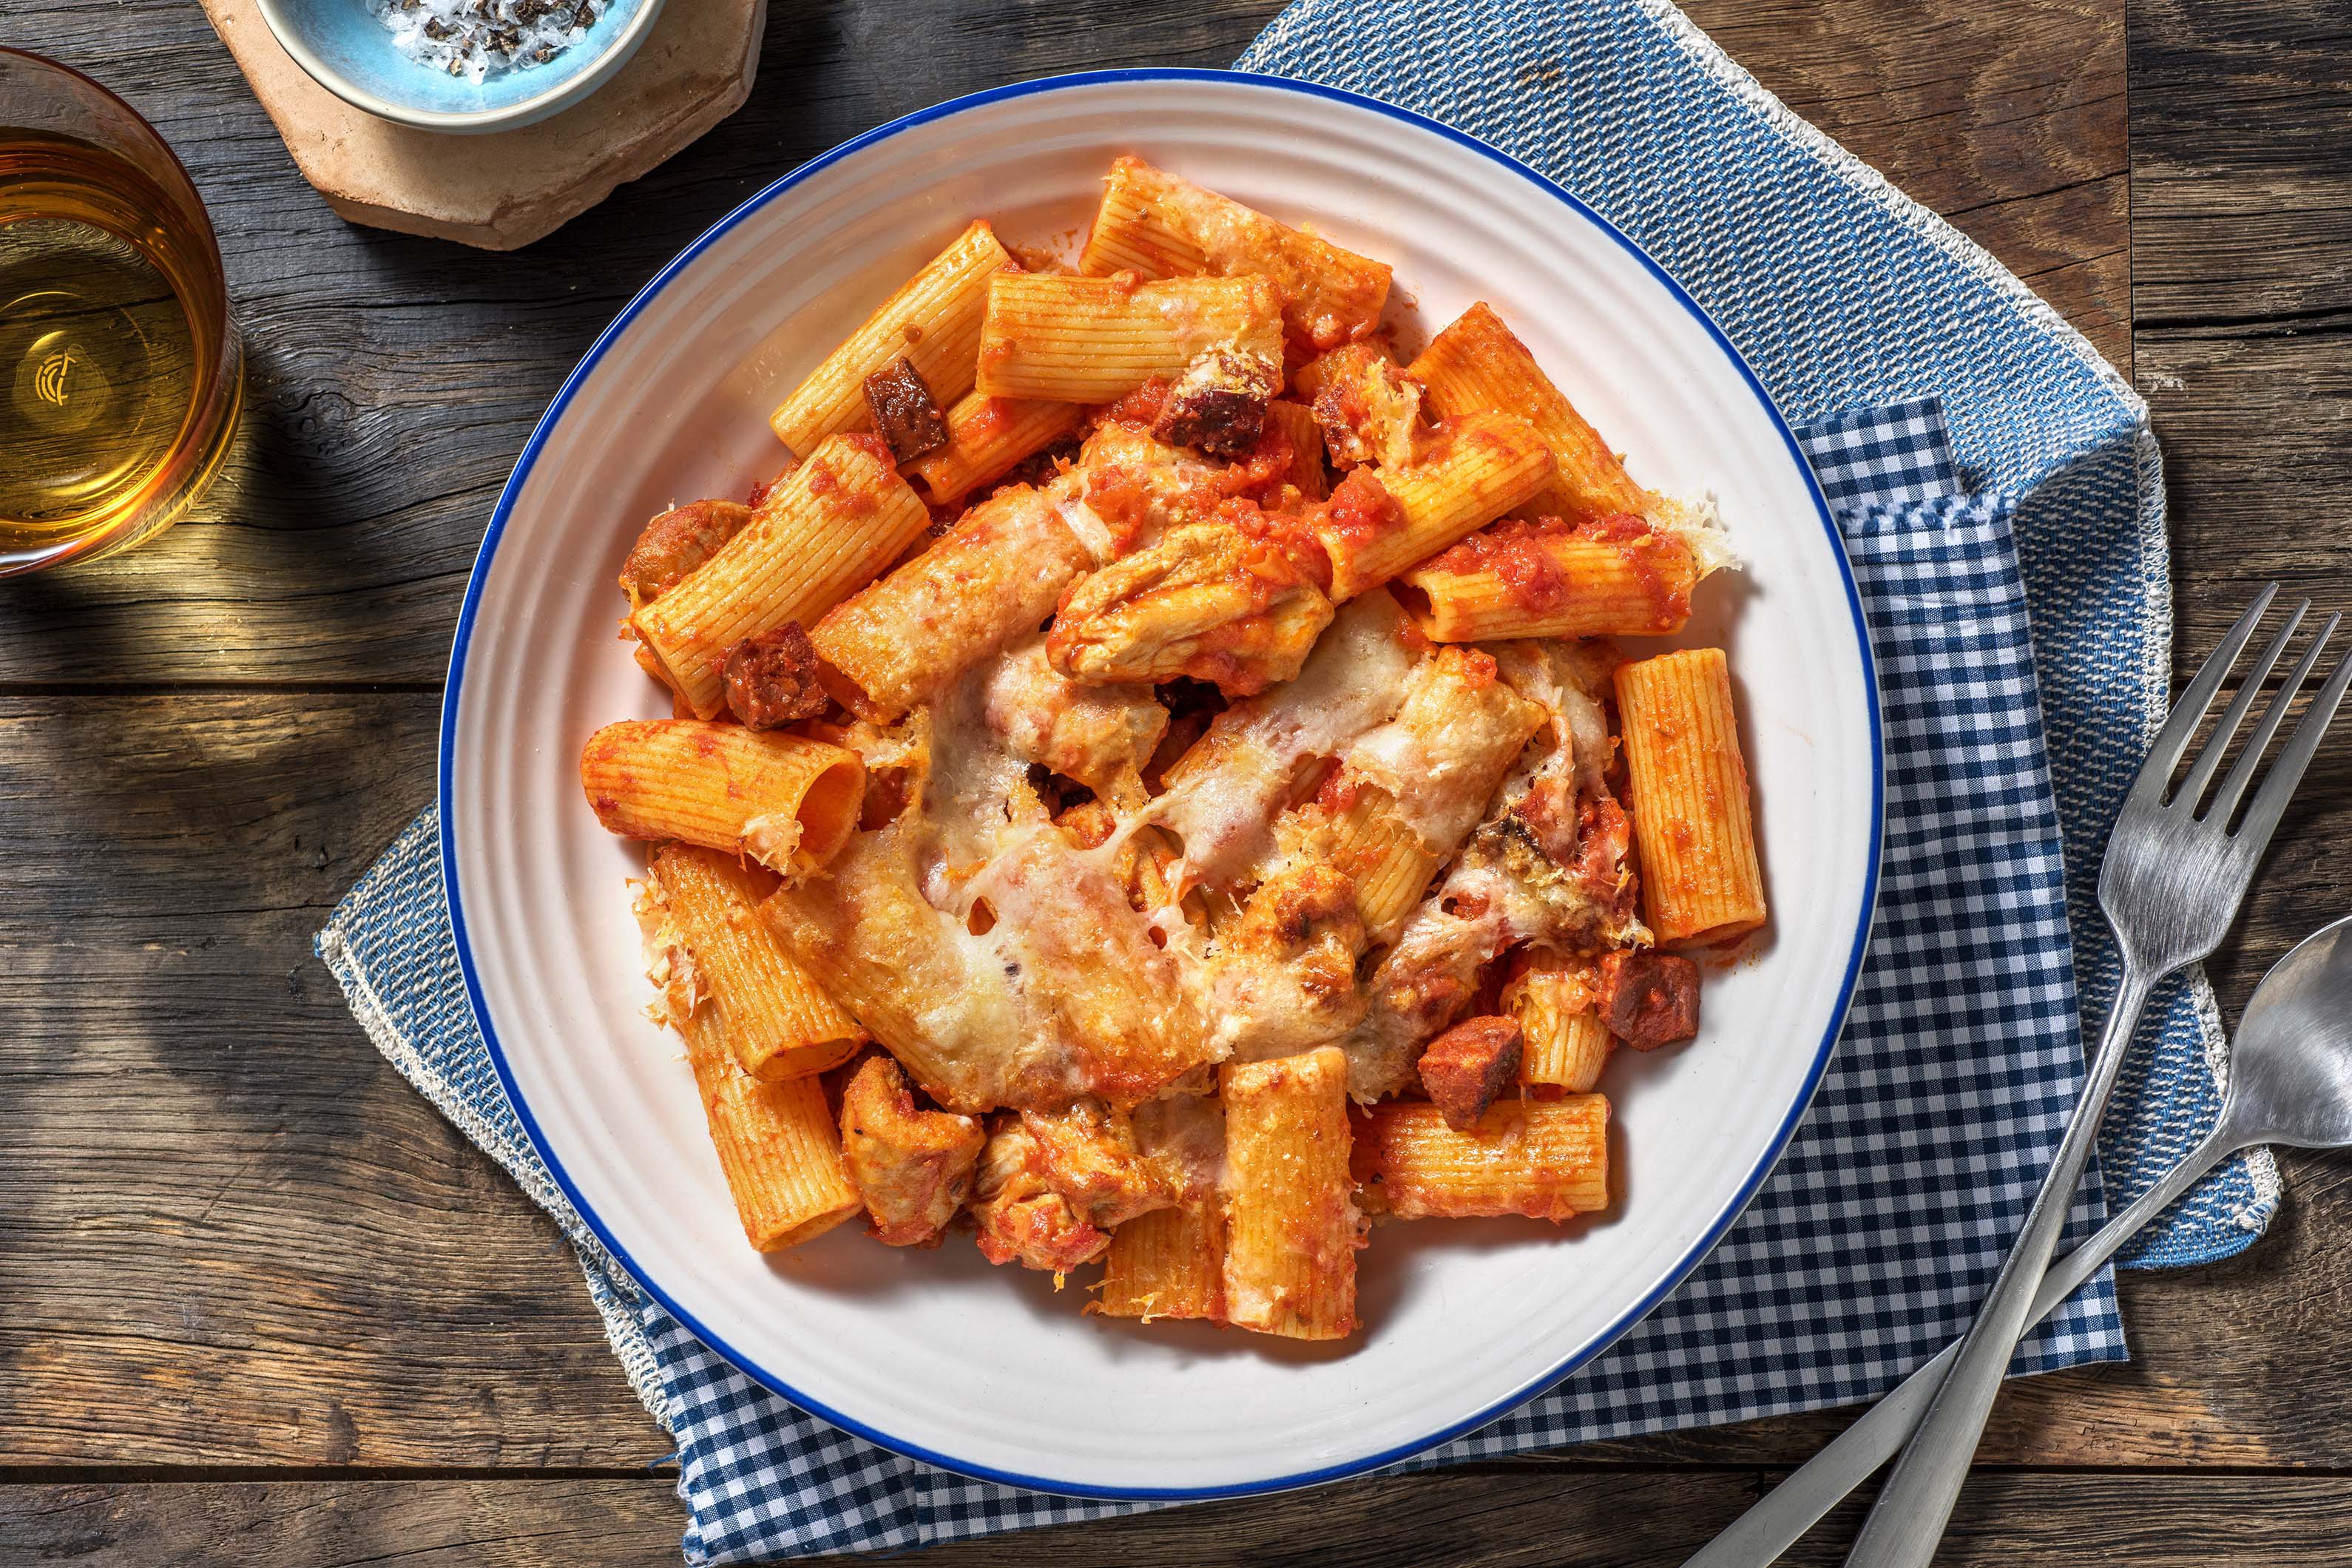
column 771, row 678
column 1218, row 405
column 674, row 543
column 1649, row 999
column 905, row 413
column 1465, row 1067
column 914, row 1168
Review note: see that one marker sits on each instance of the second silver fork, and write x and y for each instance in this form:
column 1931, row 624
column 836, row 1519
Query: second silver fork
column 2170, row 886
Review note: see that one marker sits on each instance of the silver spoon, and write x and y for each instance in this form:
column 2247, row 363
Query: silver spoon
column 2290, row 1082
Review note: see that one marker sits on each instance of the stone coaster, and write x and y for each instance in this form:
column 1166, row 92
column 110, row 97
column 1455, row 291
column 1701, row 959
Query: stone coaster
column 506, row 188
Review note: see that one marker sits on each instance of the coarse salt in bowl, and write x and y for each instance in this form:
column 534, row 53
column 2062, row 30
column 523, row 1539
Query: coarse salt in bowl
column 518, row 61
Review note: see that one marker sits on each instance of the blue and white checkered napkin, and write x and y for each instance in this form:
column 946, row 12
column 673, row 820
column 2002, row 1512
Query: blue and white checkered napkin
column 1883, row 1225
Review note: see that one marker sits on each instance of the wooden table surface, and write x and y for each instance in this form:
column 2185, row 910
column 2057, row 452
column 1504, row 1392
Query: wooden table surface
column 260, row 1305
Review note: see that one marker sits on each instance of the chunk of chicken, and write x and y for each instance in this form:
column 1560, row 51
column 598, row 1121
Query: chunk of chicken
column 914, row 1168
column 1236, row 601
column 1099, row 735
column 1088, row 1154
column 1019, row 1214
column 1369, row 409
column 1284, row 973
column 674, row 543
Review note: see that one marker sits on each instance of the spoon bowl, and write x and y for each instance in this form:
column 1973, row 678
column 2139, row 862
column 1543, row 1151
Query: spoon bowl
column 2290, row 1082
column 2291, row 1065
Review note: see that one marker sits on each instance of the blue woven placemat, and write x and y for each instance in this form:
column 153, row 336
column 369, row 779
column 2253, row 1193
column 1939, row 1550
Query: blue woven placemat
column 1886, row 1220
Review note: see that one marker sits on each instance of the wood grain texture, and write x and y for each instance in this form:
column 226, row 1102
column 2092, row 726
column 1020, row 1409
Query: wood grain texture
column 229, row 1233
column 2242, row 230
column 2009, row 119
column 1515, row 1516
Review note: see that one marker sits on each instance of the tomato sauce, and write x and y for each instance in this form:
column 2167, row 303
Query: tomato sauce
column 1359, row 511
column 992, row 417
column 1141, row 407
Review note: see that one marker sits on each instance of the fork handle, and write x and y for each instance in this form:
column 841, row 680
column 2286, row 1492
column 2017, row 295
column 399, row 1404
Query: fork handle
column 1908, row 1519
column 1758, row 1537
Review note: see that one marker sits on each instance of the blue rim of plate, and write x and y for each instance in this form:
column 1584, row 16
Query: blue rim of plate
column 1541, row 1384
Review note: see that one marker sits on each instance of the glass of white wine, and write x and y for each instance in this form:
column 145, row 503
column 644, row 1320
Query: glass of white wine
column 119, row 368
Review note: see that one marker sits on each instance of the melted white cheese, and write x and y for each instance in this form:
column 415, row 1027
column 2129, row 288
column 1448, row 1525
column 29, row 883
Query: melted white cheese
column 1223, row 809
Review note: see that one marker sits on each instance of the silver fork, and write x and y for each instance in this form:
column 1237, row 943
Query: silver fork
column 2290, row 1082
column 2170, row 886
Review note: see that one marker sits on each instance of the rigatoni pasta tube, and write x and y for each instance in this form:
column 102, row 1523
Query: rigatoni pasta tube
column 1168, row 1263
column 894, row 961
column 1092, row 339
column 1563, row 1043
column 932, row 321
column 1693, row 828
column 1473, row 470
column 778, row 1020
column 788, row 802
column 776, row 1140
column 1478, row 364
column 1296, row 423
column 1387, row 861
column 1612, row 576
column 821, row 535
column 1546, row 1159
column 1291, row 1224
column 1157, row 225
column 987, row 435
column 993, row 576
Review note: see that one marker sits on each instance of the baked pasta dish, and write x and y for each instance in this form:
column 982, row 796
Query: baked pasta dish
column 1153, row 782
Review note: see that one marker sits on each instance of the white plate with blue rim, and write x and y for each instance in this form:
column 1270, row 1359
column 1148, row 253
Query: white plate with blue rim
column 935, row 1355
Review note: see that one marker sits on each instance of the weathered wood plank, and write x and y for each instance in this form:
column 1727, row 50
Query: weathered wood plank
column 2242, row 243
column 395, row 378
column 2242, row 194
column 2009, row 119
column 229, row 1233
column 1490, row 1517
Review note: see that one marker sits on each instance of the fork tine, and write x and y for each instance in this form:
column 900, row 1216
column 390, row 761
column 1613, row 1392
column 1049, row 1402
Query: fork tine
column 2241, row 773
column 2190, row 711
column 2270, row 801
column 2209, row 761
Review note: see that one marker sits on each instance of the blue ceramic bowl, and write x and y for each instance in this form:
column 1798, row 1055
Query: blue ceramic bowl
column 350, row 54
